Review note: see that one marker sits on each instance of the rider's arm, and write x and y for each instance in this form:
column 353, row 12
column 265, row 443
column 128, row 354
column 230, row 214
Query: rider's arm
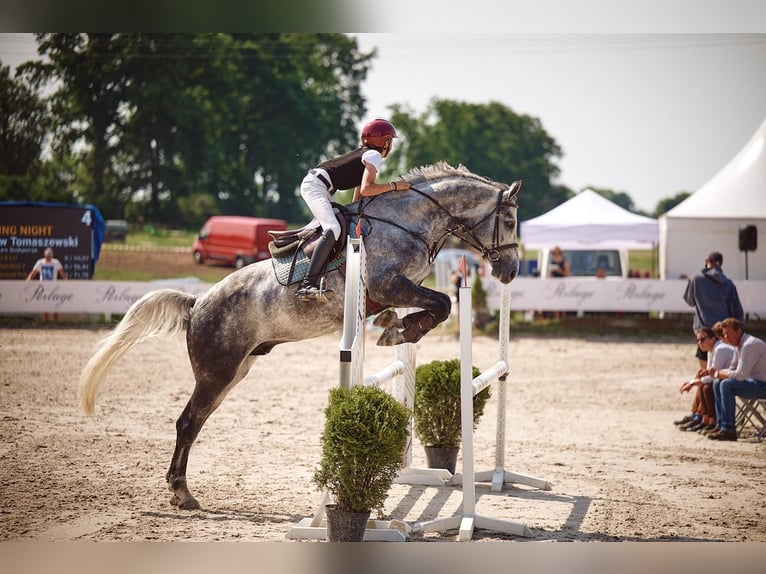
column 368, row 187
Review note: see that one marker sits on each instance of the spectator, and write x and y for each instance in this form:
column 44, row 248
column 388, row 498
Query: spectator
column 719, row 355
column 714, row 298
column 745, row 377
column 559, row 266
column 48, row 268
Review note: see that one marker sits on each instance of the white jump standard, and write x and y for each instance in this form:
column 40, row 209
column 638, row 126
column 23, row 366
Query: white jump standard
column 401, row 372
column 469, row 387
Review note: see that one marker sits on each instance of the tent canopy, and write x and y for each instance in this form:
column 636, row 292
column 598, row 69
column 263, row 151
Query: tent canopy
column 589, row 221
column 737, row 191
column 711, row 218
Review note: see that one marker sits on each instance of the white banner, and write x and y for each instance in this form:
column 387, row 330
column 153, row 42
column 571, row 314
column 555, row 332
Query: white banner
column 81, row 296
column 629, row 295
column 527, row 293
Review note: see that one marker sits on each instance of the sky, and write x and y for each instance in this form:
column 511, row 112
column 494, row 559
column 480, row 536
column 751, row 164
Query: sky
column 650, row 115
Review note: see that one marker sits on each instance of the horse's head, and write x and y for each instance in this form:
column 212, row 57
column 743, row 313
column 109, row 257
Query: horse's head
column 505, row 266
column 479, row 211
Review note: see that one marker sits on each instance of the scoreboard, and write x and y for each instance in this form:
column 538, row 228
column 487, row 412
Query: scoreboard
column 74, row 232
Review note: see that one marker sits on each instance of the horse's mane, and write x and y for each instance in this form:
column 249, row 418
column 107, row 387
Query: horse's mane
column 440, row 170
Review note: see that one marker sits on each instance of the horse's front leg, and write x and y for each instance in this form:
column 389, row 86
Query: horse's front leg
column 401, row 292
column 388, row 318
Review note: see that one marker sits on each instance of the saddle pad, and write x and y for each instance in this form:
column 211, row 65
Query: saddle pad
column 283, row 264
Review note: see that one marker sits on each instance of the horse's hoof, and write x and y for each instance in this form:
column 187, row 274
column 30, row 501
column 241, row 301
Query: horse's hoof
column 390, row 337
column 387, row 318
column 190, row 503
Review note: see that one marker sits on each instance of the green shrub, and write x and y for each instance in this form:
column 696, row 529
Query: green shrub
column 363, row 446
column 478, row 295
column 437, row 403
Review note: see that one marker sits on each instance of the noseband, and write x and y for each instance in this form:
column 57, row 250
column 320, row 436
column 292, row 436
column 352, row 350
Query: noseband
column 457, row 228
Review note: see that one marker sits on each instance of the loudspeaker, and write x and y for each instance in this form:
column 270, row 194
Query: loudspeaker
column 748, row 238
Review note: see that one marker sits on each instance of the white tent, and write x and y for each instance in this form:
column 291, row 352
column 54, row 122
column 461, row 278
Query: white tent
column 710, row 218
column 589, row 221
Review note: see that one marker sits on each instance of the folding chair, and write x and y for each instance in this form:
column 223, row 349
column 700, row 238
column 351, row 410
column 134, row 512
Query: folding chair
column 753, row 412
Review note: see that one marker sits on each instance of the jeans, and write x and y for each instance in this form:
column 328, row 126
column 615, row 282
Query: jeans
column 726, row 391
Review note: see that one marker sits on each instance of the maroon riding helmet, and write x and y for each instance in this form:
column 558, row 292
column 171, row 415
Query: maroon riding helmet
column 378, row 134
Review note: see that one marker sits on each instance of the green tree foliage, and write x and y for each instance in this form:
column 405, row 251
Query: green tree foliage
column 88, row 79
column 665, row 205
column 158, row 118
column 619, row 197
column 23, row 127
column 491, row 139
column 172, row 128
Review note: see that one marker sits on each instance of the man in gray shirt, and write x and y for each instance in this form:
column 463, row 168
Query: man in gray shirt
column 746, row 377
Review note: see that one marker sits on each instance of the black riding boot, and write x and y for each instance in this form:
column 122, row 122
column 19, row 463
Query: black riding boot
column 309, row 289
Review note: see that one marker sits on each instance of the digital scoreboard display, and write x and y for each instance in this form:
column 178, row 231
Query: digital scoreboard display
column 27, row 229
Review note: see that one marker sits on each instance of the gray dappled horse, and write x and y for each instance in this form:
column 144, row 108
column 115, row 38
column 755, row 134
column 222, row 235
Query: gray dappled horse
column 249, row 312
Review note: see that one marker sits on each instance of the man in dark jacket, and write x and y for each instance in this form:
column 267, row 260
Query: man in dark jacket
column 714, row 298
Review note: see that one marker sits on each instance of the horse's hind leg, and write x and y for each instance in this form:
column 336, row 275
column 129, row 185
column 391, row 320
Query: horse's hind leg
column 204, row 401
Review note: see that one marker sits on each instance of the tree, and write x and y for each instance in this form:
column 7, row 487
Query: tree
column 491, row 140
column 163, row 118
column 619, row 197
column 24, row 121
column 665, row 205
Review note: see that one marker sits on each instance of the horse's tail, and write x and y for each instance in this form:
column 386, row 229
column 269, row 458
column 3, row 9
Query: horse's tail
column 159, row 313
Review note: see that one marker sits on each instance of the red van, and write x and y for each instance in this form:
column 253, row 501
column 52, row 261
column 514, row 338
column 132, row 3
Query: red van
column 235, row 240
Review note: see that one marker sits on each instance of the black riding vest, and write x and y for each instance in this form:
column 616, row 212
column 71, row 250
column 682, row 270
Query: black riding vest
column 346, row 170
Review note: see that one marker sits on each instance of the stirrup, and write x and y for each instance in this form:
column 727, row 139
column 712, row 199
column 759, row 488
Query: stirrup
column 314, row 293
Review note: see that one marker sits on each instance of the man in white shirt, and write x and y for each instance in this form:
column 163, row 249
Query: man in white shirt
column 746, row 377
column 48, row 267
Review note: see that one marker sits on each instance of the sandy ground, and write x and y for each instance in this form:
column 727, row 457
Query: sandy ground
column 591, row 417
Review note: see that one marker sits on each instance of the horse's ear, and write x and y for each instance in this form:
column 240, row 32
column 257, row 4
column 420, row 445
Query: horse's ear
column 510, row 194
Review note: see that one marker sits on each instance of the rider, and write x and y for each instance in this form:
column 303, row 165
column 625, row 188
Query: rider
column 357, row 169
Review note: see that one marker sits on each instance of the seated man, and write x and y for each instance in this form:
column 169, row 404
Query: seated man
column 719, row 355
column 746, row 377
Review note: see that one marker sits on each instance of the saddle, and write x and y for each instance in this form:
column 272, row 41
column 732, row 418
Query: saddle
column 291, row 249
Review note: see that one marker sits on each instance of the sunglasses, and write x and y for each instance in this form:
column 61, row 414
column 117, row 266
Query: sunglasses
column 702, row 339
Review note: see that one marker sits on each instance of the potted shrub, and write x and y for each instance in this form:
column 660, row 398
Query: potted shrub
column 436, row 410
column 363, row 444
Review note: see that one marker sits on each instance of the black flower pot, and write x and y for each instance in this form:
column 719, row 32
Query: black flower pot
column 442, row 457
column 344, row 526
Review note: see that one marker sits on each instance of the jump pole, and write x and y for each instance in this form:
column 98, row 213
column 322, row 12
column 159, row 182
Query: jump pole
column 469, row 387
column 401, row 371
column 499, row 476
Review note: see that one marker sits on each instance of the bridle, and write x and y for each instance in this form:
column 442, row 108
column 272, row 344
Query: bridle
column 455, row 227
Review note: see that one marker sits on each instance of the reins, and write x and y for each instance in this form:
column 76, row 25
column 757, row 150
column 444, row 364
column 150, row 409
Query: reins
column 455, row 227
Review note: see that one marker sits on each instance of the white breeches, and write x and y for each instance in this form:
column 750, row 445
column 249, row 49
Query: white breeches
column 316, row 196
